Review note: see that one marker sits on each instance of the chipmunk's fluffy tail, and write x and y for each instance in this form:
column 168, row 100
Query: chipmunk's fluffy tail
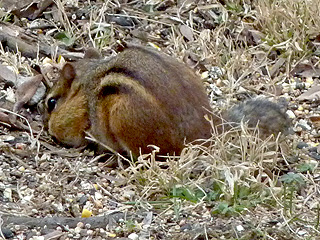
column 269, row 116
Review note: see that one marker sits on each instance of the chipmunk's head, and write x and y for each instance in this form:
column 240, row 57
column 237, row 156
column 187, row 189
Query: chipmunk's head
column 66, row 109
column 66, row 105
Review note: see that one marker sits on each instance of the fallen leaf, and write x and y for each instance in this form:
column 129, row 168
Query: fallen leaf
column 51, row 72
column 30, row 9
column 312, row 94
column 140, row 34
column 10, row 120
column 276, row 67
column 315, row 121
column 26, row 91
column 191, row 59
column 4, row 118
column 250, row 37
column 306, row 70
column 56, row 234
column 187, row 32
column 12, row 5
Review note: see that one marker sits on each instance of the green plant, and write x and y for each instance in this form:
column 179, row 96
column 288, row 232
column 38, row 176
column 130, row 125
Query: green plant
column 306, row 167
column 225, row 209
column 65, row 38
column 291, row 183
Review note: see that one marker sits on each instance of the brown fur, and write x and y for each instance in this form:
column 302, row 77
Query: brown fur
column 138, row 98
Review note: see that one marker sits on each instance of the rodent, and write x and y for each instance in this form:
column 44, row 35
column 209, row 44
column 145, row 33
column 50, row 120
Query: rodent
column 138, row 98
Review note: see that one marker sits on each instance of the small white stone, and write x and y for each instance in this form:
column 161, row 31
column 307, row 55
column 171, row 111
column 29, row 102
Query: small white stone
column 34, row 211
column 129, row 193
column 77, row 230
column 10, row 96
column 302, row 232
column 98, row 195
column 239, row 228
column 205, row 75
column 7, row 193
column 133, row 236
column 80, row 224
column 291, row 114
column 38, row 238
column 77, row 236
column 7, row 138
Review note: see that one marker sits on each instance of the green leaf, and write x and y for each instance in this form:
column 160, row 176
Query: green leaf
column 292, row 179
column 224, row 209
column 306, row 167
column 65, row 38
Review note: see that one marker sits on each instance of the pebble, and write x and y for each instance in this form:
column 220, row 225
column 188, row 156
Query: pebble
column 302, row 145
column 291, row 114
column 77, row 236
column 316, row 135
column 300, row 86
column 129, row 194
column 239, row 228
column 185, row 227
column 80, row 224
column 7, row 193
column 77, row 230
column 302, row 232
column 298, row 129
column 34, row 211
column 38, row 238
column 298, row 113
column 21, row 146
column 304, row 124
column 7, row 138
column 133, row 236
column 98, row 196
column 83, row 199
column 98, row 204
column 216, row 72
column 51, row 197
column 313, row 149
column 21, row 169
column 315, row 155
column 7, row 233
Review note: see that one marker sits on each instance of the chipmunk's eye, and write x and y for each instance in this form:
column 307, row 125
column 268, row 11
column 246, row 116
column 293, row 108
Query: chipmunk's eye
column 51, row 104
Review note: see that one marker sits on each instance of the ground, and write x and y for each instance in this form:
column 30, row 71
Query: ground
column 240, row 187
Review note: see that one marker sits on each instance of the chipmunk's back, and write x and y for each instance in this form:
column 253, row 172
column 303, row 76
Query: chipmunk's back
column 139, row 98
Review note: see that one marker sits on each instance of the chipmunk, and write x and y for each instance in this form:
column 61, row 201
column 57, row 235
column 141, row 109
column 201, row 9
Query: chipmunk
column 138, row 98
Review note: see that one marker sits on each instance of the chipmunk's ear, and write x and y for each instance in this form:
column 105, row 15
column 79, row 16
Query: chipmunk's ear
column 68, row 72
column 92, row 53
